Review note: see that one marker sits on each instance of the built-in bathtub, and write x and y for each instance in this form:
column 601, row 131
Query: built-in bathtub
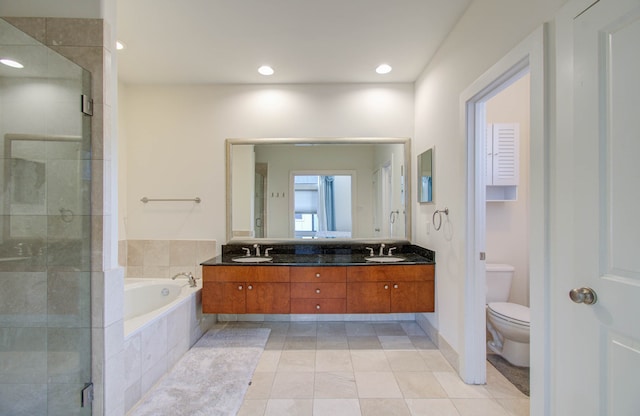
column 163, row 319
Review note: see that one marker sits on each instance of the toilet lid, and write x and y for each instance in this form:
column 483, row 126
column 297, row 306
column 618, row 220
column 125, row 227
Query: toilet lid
column 512, row 312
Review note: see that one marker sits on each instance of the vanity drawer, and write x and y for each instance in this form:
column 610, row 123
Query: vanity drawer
column 245, row 274
column 318, row 305
column 318, row 274
column 395, row 273
column 318, row 290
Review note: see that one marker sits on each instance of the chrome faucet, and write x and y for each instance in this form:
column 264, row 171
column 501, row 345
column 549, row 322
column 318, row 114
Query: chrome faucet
column 390, row 250
column 257, row 247
column 189, row 276
column 382, row 246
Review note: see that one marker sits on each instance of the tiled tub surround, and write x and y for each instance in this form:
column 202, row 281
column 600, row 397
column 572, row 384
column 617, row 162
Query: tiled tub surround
column 321, row 253
column 164, row 258
column 157, row 345
column 151, row 348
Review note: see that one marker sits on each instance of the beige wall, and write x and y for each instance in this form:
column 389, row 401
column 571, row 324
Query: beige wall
column 508, row 222
column 487, row 31
column 175, row 141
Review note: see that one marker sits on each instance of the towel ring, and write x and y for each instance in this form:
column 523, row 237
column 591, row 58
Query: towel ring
column 439, row 212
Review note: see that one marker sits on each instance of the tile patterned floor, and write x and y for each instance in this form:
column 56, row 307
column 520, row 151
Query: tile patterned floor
column 367, row 369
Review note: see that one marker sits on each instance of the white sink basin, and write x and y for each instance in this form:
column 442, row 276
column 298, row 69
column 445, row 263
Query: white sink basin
column 385, row 259
column 251, row 259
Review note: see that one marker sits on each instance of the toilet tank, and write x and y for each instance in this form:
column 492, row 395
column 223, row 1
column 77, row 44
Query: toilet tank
column 499, row 277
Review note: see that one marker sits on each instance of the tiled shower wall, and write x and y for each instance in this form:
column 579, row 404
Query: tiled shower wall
column 164, row 258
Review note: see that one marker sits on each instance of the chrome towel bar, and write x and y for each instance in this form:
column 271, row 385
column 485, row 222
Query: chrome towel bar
column 197, row 200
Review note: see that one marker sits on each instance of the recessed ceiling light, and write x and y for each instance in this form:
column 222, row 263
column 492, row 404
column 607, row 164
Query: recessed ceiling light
column 11, row 63
column 383, row 69
column 265, row 70
column 119, row 45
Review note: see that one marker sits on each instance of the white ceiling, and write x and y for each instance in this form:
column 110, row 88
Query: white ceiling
column 305, row 41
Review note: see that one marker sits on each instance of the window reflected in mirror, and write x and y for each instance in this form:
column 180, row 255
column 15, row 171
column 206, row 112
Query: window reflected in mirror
column 322, row 206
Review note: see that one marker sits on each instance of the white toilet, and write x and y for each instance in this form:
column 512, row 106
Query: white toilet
column 508, row 323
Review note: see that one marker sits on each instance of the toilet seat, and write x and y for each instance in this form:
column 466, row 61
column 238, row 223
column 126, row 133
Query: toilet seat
column 511, row 312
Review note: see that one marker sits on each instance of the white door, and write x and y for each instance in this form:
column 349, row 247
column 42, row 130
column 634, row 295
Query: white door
column 596, row 348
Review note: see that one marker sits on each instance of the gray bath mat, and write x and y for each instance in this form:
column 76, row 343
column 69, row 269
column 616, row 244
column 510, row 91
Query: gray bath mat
column 210, row 379
column 518, row 376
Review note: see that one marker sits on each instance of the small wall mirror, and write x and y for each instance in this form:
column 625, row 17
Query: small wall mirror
column 425, row 176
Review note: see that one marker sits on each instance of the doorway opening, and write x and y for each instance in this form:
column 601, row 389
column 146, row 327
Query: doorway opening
column 527, row 57
column 479, row 155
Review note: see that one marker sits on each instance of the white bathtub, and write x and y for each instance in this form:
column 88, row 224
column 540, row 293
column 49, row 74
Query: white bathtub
column 147, row 299
column 162, row 320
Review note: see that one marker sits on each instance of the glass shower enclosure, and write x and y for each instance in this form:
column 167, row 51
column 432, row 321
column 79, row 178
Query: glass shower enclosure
column 45, row 230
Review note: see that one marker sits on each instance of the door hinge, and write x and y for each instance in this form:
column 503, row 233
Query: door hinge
column 86, row 105
column 87, row 395
column 483, row 255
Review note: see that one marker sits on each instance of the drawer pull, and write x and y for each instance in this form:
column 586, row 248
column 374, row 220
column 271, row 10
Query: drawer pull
column 250, row 287
column 239, row 287
column 386, row 287
column 318, row 307
column 318, row 291
column 395, row 286
column 317, row 274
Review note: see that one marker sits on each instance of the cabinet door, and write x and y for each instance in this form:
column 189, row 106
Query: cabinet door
column 503, row 154
column 363, row 297
column 412, row 297
column 268, row 298
column 223, row 297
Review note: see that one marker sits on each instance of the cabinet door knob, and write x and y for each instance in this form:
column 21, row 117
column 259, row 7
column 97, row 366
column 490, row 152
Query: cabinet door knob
column 318, row 291
column 317, row 274
column 250, row 287
column 317, row 306
column 239, row 287
column 386, row 287
column 395, row 286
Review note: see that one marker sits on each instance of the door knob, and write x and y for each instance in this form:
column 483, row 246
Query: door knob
column 584, row 295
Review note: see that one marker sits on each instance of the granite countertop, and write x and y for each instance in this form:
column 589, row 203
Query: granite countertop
column 322, row 254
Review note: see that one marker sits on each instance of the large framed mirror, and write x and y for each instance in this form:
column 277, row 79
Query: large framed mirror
column 318, row 188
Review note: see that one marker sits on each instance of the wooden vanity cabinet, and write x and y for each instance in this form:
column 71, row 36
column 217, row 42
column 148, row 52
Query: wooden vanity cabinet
column 239, row 289
column 316, row 289
column 390, row 289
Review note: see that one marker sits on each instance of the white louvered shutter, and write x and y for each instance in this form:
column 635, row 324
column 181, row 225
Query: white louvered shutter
column 505, row 151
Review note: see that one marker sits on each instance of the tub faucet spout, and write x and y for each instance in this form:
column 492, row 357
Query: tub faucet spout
column 189, row 276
